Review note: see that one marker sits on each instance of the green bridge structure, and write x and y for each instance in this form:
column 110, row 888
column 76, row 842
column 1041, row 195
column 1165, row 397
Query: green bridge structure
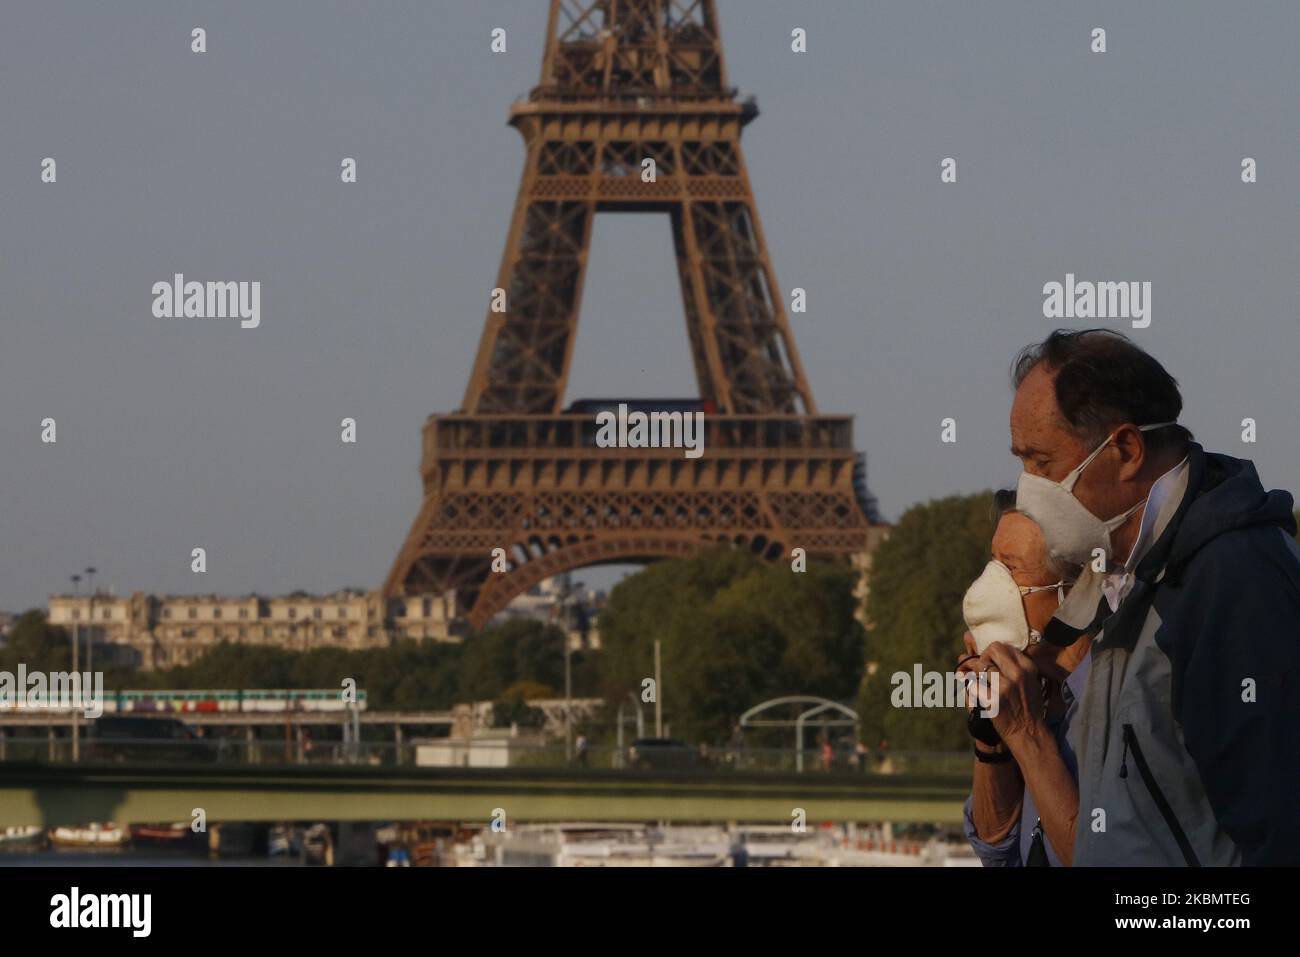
column 53, row 794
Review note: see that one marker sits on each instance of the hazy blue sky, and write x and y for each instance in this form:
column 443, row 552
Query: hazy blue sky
column 225, row 166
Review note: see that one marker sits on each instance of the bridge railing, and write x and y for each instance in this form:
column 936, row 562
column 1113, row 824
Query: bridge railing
column 473, row 752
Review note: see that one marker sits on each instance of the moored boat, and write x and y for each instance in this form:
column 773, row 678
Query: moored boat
column 94, row 834
column 163, row 835
column 19, row 836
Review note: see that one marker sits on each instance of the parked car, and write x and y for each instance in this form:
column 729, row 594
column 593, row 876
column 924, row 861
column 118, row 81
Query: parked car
column 663, row 754
column 120, row 739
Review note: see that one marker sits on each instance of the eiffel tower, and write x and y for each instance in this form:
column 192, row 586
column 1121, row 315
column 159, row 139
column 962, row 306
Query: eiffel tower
column 625, row 81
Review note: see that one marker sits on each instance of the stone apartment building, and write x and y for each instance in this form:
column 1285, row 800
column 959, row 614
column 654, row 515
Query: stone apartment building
column 862, row 562
column 162, row 631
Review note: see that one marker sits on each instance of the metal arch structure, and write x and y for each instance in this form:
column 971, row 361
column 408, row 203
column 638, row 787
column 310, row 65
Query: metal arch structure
column 624, row 82
column 819, row 706
column 823, row 704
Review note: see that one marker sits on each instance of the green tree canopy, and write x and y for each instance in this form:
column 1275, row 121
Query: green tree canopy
column 33, row 641
column 409, row 675
column 519, row 649
column 735, row 631
column 918, row 578
column 512, row 706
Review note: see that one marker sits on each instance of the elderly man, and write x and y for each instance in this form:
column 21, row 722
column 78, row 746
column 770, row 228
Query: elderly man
column 1188, row 731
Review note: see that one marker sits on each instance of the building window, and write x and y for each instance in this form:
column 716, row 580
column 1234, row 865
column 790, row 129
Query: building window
column 316, row 613
column 243, row 613
column 317, row 630
column 76, row 614
column 428, row 607
column 293, row 612
column 216, row 613
column 340, row 632
column 343, row 613
column 107, row 614
column 194, row 613
column 266, row 631
column 167, row 612
column 187, row 632
column 243, row 633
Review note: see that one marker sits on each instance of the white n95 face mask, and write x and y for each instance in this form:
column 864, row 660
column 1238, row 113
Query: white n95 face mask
column 994, row 608
column 1071, row 532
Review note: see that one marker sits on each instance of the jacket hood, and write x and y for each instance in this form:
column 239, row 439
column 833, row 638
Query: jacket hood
column 1225, row 494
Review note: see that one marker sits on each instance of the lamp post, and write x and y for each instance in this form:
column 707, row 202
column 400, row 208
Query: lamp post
column 76, row 656
column 659, row 696
column 90, row 636
column 568, row 674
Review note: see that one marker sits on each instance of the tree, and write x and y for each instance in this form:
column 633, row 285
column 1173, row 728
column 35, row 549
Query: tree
column 734, row 631
column 520, row 649
column 512, row 706
column 919, row 577
column 408, row 675
column 238, row 666
column 33, row 641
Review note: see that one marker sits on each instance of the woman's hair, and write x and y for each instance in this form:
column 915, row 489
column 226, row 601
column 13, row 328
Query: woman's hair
column 1004, row 500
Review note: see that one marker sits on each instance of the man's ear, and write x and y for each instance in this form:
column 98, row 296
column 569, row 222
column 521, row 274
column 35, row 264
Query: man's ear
column 1132, row 451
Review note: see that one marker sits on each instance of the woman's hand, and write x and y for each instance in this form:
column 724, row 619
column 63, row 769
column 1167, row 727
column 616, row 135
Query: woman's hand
column 969, row 663
column 969, row 658
column 1015, row 702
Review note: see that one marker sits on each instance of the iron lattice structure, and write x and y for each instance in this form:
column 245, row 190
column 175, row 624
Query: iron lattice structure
column 624, row 81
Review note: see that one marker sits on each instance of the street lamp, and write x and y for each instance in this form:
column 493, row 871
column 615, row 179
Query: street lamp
column 76, row 643
column 90, row 637
column 568, row 674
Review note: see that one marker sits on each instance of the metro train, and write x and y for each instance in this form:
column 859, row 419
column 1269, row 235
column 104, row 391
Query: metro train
column 211, row 701
column 245, row 700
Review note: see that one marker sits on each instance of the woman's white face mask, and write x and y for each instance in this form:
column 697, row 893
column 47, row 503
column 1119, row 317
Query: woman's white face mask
column 1071, row 532
column 994, row 608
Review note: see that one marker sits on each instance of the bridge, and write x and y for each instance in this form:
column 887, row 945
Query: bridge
column 63, row 718
column 49, row 795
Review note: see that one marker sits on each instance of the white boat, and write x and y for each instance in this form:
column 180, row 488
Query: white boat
column 599, row 845
column 163, row 835
column 638, row 845
column 21, row 836
column 90, row 835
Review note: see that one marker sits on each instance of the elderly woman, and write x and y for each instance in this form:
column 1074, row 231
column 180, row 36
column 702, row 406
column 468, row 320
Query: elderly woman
column 1024, row 803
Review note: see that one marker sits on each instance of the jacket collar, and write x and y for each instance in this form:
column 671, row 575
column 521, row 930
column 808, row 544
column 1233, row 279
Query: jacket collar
column 1085, row 610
